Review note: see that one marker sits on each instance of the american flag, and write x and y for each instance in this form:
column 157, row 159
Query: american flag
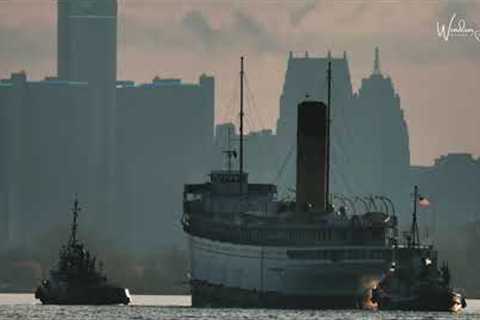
column 423, row 202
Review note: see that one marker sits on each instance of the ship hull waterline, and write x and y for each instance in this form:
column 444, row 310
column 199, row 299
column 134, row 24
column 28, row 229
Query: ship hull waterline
column 233, row 275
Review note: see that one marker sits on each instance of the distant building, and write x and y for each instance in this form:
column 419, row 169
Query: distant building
column 87, row 51
column 165, row 137
column 452, row 186
column 259, row 152
column 381, row 151
column 46, row 150
column 306, row 77
column 370, row 145
column 87, row 41
column 70, row 134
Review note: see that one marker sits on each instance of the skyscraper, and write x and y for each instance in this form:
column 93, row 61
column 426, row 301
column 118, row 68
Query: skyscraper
column 307, row 76
column 87, row 51
column 86, row 40
column 382, row 146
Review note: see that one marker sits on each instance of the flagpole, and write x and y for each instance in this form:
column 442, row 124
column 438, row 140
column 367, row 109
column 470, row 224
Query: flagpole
column 415, row 235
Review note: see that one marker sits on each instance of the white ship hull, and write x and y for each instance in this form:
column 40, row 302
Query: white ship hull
column 227, row 274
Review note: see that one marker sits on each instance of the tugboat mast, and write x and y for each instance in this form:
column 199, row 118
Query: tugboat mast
column 241, row 116
column 76, row 209
column 414, row 231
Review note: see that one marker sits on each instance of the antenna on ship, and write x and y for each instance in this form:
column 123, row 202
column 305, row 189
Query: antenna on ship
column 75, row 210
column 329, row 89
column 241, row 116
column 415, row 235
column 229, row 153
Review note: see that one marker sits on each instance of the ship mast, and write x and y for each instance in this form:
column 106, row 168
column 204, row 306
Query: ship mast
column 329, row 89
column 241, row 116
column 76, row 209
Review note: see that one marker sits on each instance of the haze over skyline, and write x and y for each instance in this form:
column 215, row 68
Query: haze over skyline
column 437, row 80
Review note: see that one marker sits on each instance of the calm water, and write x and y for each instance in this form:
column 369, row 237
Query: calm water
column 23, row 306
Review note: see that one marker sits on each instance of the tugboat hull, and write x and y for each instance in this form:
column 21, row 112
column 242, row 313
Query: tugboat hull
column 441, row 301
column 83, row 296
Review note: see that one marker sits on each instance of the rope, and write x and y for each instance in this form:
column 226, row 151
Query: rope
column 284, row 164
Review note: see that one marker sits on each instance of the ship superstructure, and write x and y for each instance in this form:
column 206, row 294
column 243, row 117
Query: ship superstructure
column 249, row 248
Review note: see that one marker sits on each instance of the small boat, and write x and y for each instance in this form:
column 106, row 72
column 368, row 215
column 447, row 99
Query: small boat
column 76, row 278
column 414, row 281
column 426, row 290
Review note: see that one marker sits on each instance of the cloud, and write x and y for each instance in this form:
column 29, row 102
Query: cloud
column 242, row 30
column 27, row 37
column 196, row 23
column 254, row 32
column 466, row 9
column 195, row 30
column 297, row 14
column 21, row 50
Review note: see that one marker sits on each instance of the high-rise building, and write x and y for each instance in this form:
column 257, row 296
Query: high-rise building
column 306, row 78
column 451, row 185
column 87, row 40
column 165, row 137
column 87, row 51
column 45, row 138
column 70, row 135
column 381, row 145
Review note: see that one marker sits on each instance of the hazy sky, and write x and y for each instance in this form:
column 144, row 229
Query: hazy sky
column 438, row 81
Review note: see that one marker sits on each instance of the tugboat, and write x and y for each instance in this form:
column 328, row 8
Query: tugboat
column 414, row 281
column 75, row 280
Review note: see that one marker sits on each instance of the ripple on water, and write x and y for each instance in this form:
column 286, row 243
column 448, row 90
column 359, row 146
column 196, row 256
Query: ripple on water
column 25, row 308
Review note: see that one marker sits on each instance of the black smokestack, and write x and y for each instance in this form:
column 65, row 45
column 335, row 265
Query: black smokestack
column 312, row 156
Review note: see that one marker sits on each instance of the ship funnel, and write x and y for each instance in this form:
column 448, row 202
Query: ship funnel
column 312, row 157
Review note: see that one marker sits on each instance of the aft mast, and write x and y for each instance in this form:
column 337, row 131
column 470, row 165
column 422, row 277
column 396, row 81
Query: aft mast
column 241, row 116
column 329, row 89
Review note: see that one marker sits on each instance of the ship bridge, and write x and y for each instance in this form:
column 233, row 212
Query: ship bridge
column 229, row 192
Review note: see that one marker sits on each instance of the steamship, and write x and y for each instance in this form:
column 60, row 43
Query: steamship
column 249, row 248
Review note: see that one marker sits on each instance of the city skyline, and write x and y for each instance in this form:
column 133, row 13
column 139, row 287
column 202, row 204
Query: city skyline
column 436, row 79
column 127, row 122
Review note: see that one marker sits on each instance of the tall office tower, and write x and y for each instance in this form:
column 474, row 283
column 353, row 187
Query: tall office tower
column 87, row 40
column 306, row 76
column 87, row 51
column 382, row 144
column 370, row 147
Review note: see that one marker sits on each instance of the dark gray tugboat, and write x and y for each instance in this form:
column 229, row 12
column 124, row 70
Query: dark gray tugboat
column 76, row 280
column 414, row 281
